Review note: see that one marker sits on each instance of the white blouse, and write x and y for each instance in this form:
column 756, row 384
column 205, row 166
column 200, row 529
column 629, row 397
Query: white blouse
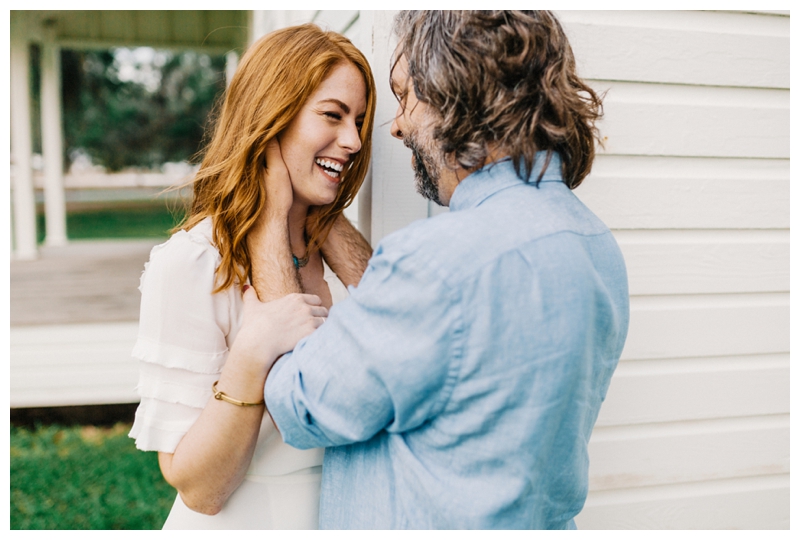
column 185, row 333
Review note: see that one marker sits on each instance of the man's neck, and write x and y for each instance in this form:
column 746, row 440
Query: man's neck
column 450, row 181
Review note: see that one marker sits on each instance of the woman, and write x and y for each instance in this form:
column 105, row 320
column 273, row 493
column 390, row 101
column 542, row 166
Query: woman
column 292, row 144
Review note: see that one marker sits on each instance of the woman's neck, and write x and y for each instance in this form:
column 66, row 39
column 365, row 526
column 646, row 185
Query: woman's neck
column 297, row 228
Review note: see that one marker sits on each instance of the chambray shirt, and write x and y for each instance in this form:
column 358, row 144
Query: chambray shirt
column 458, row 385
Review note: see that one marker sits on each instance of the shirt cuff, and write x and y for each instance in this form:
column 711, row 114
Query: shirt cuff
column 284, row 399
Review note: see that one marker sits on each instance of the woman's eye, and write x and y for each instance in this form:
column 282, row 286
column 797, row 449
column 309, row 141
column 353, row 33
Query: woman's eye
column 335, row 116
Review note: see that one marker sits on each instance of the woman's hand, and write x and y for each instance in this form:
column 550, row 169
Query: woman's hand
column 270, row 329
column 212, row 458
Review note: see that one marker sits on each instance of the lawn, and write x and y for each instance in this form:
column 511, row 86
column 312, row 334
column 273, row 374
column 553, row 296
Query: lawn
column 85, row 477
column 143, row 219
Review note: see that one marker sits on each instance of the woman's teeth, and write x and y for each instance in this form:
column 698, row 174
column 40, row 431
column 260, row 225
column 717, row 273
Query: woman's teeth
column 331, row 168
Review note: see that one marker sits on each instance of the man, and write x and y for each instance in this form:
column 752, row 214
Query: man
column 458, row 385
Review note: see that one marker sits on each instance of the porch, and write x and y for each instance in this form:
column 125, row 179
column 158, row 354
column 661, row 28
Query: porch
column 74, row 317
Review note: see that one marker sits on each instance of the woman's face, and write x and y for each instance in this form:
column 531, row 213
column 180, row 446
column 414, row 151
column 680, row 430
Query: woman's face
column 323, row 137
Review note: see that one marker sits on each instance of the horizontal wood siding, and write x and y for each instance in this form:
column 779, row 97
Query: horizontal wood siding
column 704, row 388
column 693, row 179
column 656, row 192
column 694, row 262
column 753, row 502
column 697, row 48
column 689, row 451
column 73, row 364
column 694, row 121
column 681, row 326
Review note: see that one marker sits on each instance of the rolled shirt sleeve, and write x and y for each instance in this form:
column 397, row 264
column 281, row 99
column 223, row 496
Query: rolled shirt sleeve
column 386, row 358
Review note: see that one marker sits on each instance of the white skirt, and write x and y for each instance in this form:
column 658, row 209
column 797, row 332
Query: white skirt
column 261, row 502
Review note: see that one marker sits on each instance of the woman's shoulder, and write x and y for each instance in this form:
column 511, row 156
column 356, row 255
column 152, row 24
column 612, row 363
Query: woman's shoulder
column 188, row 245
column 186, row 256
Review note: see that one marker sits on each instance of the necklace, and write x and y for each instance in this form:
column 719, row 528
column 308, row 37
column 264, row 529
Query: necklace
column 300, row 262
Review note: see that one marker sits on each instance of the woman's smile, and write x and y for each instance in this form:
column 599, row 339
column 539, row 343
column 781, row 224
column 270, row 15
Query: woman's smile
column 331, row 168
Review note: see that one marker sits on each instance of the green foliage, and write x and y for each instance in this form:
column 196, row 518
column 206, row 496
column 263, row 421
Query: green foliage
column 126, row 111
column 85, row 478
column 120, row 220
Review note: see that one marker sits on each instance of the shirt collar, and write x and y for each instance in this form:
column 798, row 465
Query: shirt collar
column 496, row 176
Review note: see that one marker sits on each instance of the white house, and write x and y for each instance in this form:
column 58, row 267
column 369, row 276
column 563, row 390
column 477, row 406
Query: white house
column 694, row 183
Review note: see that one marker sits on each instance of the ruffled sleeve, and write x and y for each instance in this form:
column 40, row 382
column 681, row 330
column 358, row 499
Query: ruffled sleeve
column 182, row 342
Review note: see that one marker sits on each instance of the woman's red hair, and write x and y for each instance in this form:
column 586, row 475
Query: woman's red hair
column 275, row 78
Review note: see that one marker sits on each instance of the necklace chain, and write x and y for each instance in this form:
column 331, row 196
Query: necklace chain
column 300, row 262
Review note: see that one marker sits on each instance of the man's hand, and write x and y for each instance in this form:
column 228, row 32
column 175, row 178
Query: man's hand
column 278, row 183
column 278, row 186
column 270, row 329
column 346, row 251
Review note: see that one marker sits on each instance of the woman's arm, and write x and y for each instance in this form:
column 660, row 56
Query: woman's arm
column 212, row 458
column 346, row 251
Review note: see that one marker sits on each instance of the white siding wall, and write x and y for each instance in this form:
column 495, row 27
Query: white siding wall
column 694, row 182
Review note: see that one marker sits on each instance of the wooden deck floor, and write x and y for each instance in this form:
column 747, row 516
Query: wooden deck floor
column 84, row 282
column 74, row 321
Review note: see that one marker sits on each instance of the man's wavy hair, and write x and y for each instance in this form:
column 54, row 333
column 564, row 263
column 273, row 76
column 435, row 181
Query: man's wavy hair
column 501, row 79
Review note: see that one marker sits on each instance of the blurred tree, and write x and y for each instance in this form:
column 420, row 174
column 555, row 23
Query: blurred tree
column 125, row 111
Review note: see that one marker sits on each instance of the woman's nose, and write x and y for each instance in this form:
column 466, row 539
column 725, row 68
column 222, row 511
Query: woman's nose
column 350, row 139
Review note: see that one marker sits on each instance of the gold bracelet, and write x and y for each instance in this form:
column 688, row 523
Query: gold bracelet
column 223, row 397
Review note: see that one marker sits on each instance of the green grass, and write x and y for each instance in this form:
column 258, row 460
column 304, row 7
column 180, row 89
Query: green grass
column 129, row 220
column 85, row 478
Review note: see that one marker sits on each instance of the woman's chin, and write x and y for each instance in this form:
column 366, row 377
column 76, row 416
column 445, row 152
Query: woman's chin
column 315, row 200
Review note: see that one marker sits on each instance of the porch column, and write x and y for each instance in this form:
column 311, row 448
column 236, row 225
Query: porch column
column 52, row 143
column 231, row 63
column 23, row 197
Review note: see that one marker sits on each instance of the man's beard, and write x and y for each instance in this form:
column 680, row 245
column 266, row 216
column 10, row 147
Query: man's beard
column 427, row 171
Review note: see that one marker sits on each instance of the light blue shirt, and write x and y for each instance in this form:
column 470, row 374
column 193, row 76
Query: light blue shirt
column 458, row 385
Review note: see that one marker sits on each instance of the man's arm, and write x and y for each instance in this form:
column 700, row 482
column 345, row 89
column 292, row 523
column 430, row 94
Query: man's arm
column 346, row 251
column 384, row 359
column 273, row 273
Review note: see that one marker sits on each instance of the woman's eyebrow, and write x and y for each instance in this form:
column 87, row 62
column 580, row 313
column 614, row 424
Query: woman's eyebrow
column 341, row 104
